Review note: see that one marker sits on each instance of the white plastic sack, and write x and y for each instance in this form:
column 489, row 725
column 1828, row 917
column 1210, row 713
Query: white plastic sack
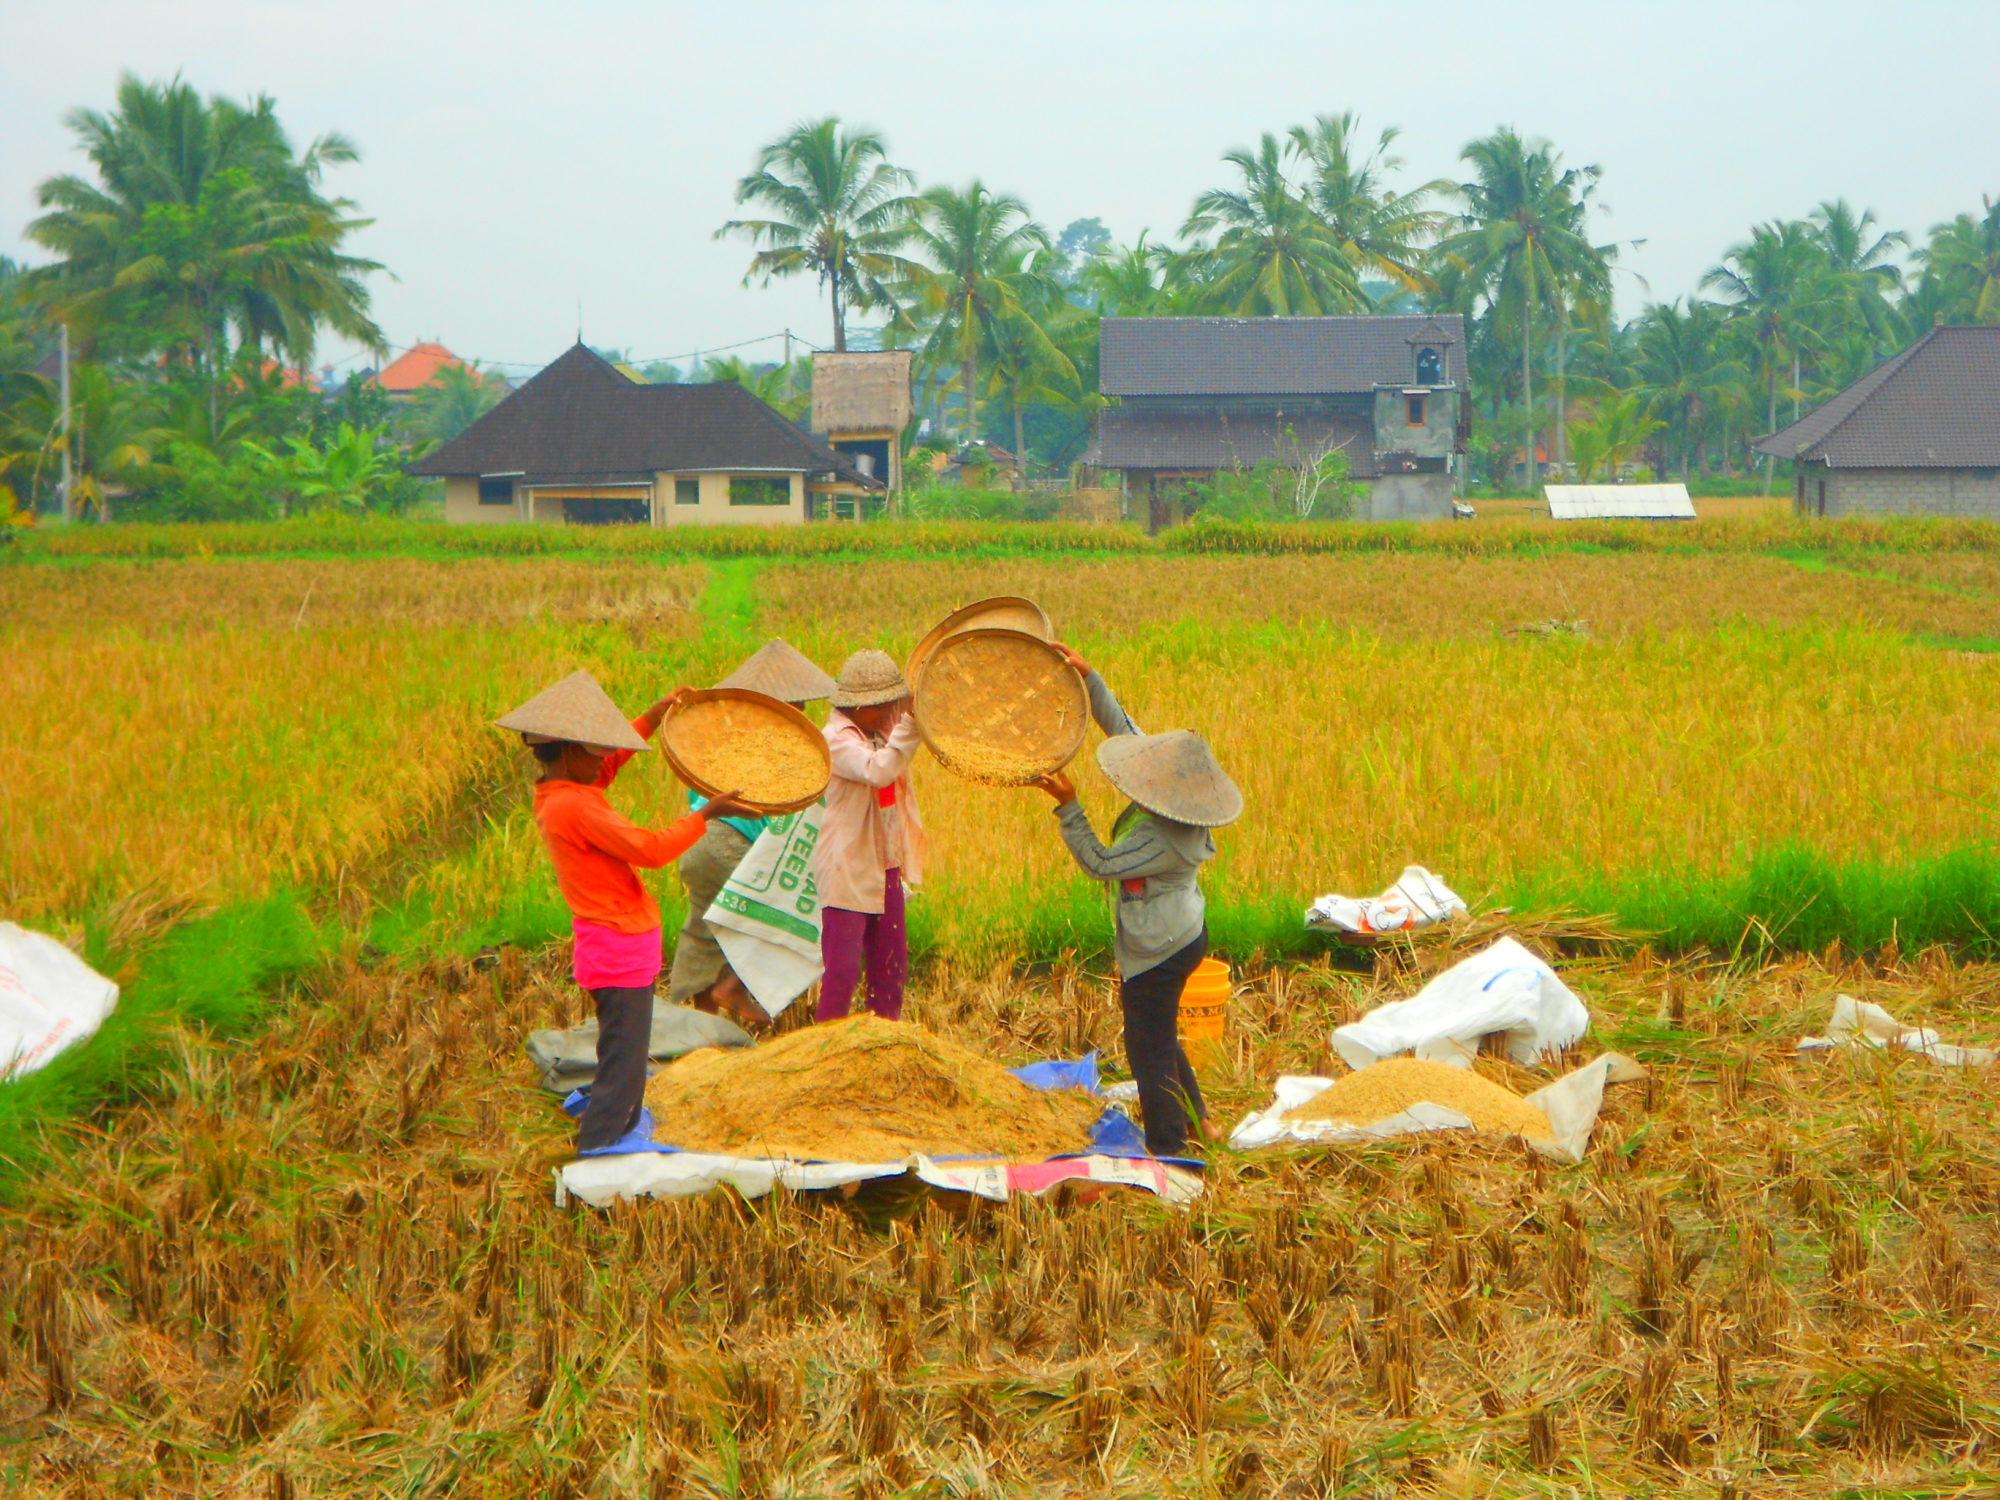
column 766, row 916
column 1417, row 900
column 49, row 999
column 1572, row 1103
column 1503, row 988
column 1857, row 1021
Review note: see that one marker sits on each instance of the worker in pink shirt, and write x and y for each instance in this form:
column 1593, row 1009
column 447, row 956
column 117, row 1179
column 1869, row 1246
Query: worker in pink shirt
column 871, row 838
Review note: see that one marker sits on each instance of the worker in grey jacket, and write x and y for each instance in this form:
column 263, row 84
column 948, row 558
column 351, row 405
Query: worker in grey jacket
column 1178, row 793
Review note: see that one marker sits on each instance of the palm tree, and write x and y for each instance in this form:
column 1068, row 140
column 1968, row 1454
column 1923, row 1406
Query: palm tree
column 1615, row 435
column 203, row 222
column 1129, row 280
column 784, row 388
column 1520, row 241
column 1273, row 255
column 1861, row 266
column 1028, row 362
column 980, row 269
column 1685, row 376
column 1775, row 282
column 1962, row 267
column 838, row 211
column 451, row 401
column 1376, row 228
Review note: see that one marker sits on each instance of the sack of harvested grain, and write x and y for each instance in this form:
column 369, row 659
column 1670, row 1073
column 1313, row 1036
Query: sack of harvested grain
column 766, row 916
column 1502, row 989
column 1417, row 900
column 49, row 999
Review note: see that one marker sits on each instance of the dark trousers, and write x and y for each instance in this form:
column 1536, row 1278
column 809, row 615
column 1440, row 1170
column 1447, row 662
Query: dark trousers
column 624, row 1035
column 1168, row 1093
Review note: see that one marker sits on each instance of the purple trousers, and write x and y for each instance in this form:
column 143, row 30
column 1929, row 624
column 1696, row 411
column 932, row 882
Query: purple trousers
column 848, row 938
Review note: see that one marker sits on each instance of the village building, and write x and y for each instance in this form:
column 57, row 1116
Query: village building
column 416, row 367
column 1918, row 435
column 1198, row 395
column 582, row 443
column 861, row 404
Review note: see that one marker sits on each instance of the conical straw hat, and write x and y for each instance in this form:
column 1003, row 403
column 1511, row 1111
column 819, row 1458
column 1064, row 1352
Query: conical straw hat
column 778, row 670
column 1172, row 774
column 574, row 709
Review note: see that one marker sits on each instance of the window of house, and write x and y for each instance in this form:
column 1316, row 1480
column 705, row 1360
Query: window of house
column 687, row 492
column 1430, row 366
column 744, row 491
column 1414, row 410
column 496, row 492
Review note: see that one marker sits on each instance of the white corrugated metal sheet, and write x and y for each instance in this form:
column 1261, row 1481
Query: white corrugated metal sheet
column 1626, row 502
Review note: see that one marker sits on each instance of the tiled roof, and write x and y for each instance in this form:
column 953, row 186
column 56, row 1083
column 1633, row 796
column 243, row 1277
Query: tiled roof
column 416, row 367
column 1156, row 437
column 1934, row 406
column 579, row 420
column 1271, row 356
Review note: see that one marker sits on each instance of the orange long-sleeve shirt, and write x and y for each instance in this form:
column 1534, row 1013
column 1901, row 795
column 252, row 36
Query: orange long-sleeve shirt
column 595, row 847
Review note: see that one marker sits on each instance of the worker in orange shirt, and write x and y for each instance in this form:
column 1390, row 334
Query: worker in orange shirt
column 581, row 740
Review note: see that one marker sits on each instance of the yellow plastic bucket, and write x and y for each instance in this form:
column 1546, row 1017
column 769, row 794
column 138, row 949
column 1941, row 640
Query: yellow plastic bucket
column 1204, row 1012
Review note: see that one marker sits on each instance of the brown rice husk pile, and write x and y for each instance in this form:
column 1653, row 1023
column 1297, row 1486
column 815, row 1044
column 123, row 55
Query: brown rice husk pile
column 863, row 1089
column 1392, row 1085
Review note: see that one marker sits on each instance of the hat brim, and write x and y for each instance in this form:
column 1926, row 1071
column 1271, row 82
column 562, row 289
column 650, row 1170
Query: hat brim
column 1212, row 801
column 869, row 697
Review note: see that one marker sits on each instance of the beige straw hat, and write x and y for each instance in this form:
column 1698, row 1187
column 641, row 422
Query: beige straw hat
column 866, row 678
column 778, row 670
column 1172, row 774
column 578, row 710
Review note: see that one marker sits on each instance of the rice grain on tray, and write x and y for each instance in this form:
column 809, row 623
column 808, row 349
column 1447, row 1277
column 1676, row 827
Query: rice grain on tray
column 733, row 744
column 862, row 1089
column 988, row 765
column 1392, row 1085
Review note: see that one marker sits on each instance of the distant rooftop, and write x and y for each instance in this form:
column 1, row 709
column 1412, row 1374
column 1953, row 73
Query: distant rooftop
column 1273, row 356
column 1934, row 406
column 416, row 368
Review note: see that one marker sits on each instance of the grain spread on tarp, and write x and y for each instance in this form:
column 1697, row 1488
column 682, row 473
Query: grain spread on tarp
column 863, row 1089
column 1392, row 1085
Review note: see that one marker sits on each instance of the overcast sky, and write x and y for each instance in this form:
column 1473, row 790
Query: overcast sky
column 522, row 158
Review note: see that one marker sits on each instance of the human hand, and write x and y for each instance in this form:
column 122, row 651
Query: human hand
column 1058, row 786
column 1074, row 657
column 727, row 805
column 667, row 704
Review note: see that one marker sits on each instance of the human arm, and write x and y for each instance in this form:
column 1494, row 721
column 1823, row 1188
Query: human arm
column 1104, row 706
column 1134, row 857
column 601, row 826
column 645, row 726
column 854, row 759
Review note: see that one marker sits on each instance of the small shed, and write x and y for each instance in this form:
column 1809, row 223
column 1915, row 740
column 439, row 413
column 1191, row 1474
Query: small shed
column 861, row 403
column 1618, row 502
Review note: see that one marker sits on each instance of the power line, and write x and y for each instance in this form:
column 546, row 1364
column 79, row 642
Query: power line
column 524, row 364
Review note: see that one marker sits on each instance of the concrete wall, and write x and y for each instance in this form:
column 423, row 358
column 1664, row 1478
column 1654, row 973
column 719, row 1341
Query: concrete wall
column 461, row 503
column 715, row 509
column 1406, row 497
column 1906, row 492
column 1436, row 438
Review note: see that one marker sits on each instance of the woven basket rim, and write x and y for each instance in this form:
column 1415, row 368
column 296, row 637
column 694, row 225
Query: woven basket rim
column 780, row 710
column 955, row 624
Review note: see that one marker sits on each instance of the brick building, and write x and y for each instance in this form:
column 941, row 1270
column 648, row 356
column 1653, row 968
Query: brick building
column 1918, row 435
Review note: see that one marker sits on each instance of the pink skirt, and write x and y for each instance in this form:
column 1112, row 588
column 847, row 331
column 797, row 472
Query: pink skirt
column 606, row 958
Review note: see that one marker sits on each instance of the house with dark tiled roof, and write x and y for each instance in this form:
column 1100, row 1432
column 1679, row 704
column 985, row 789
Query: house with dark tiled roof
column 1196, row 395
column 1918, row 435
column 581, row 442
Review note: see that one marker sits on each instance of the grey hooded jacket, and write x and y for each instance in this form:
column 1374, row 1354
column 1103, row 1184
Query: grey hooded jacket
column 1159, row 905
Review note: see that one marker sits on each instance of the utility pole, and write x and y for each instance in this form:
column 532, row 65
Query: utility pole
column 65, row 484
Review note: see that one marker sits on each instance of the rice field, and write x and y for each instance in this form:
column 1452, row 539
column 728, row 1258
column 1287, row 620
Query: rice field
column 301, row 1242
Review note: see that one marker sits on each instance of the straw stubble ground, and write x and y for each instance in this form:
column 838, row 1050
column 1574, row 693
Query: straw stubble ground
column 328, row 1263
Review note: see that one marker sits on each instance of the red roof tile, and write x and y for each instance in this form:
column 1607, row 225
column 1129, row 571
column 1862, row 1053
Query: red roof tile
column 416, row 367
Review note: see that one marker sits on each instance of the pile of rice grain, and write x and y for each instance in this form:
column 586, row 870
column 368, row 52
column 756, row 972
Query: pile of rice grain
column 865, row 1090
column 988, row 765
column 735, row 744
column 1392, row 1085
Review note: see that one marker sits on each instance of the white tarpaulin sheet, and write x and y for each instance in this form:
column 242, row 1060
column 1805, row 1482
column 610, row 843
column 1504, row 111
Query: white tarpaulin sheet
column 1417, row 900
column 49, row 999
column 766, row 916
column 1572, row 1104
column 1631, row 502
column 1857, row 1021
column 1504, row 988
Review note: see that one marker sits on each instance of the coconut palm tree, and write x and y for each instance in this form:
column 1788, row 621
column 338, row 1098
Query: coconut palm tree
column 1027, row 360
column 1684, row 373
column 203, row 221
column 1961, row 268
column 1377, row 228
column 980, row 264
column 1520, row 242
column 1273, row 255
column 1860, row 261
column 1775, row 284
column 786, row 389
column 1129, row 281
column 837, row 211
column 451, row 401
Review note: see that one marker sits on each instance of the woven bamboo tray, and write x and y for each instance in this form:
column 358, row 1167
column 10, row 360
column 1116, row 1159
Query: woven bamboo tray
column 1000, row 707
column 1004, row 612
column 733, row 740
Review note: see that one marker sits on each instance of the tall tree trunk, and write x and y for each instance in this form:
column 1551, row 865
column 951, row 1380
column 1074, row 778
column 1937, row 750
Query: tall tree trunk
column 1795, row 385
column 1562, row 386
column 968, row 375
column 1770, row 420
column 1529, row 473
column 1020, row 442
column 839, row 321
